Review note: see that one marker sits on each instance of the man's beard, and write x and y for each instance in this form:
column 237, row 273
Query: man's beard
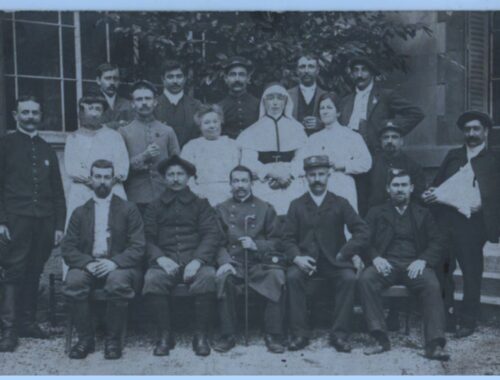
column 102, row 191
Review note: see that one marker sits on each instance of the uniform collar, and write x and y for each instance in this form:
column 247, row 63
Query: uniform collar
column 30, row 134
column 184, row 196
column 248, row 199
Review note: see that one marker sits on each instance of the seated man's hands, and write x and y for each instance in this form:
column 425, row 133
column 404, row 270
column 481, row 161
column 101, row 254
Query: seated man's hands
column 248, row 243
column 191, row 270
column 358, row 263
column 168, row 265
column 306, row 264
column 416, row 268
column 225, row 268
column 382, row 266
column 101, row 267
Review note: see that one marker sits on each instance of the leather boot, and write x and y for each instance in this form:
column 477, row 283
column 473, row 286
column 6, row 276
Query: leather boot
column 28, row 328
column 204, row 315
column 116, row 318
column 9, row 340
column 158, row 306
column 85, row 345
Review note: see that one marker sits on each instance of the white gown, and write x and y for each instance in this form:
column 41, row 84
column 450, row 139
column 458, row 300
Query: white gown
column 214, row 160
column 83, row 147
column 344, row 148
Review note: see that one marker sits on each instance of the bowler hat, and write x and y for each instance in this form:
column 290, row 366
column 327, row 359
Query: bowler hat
column 320, row 161
column 176, row 160
column 363, row 60
column 469, row 115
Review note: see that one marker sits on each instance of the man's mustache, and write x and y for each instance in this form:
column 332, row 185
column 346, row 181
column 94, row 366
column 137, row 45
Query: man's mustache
column 317, row 183
column 111, row 87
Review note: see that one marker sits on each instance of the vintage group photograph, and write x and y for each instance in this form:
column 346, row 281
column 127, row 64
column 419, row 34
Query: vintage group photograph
column 249, row 193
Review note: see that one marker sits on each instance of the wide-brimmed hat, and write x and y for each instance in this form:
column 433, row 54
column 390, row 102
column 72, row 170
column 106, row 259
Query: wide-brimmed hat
column 469, row 115
column 176, row 160
column 363, row 60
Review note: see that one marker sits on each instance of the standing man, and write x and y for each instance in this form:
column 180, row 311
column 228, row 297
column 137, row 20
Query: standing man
column 119, row 111
column 370, row 108
column 314, row 240
column 405, row 247
column 183, row 238
column 175, row 108
column 467, row 188
column 148, row 143
column 250, row 224
column 241, row 109
column 306, row 95
column 32, row 214
column 392, row 156
column 103, row 246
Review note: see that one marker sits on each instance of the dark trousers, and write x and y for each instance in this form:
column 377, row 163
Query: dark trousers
column 344, row 288
column 273, row 312
column 467, row 238
column 426, row 286
column 24, row 258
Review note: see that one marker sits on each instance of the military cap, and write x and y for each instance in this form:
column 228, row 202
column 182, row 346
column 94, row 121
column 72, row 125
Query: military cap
column 237, row 61
column 390, row 126
column 93, row 97
column 144, row 84
column 176, row 160
column 363, row 60
column 469, row 115
column 320, row 161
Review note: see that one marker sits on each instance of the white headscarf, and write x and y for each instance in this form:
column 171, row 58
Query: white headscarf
column 277, row 89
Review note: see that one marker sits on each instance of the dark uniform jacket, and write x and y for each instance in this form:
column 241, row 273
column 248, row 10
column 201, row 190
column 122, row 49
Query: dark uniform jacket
column 183, row 227
column 126, row 244
column 428, row 240
column 262, row 228
column 120, row 115
column 180, row 117
column 379, row 173
column 383, row 106
column 311, row 230
column 486, row 167
column 30, row 179
column 239, row 113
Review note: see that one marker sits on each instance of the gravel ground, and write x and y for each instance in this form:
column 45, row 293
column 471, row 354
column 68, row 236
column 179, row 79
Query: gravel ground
column 475, row 355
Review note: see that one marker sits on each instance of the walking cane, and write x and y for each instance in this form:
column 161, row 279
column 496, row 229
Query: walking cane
column 247, row 218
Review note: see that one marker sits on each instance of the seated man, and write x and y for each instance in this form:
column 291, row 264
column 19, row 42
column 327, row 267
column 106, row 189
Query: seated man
column 183, row 238
column 250, row 224
column 104, row 246
column 314, row 239
column 405, row 246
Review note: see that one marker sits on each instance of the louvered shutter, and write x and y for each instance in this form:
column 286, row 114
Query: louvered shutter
column 477, row 60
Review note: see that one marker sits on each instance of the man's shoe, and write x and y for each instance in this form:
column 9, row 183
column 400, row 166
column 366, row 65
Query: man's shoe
column 33, row 331
column 274, row 344
column 383, row 344
column 298, row 343
column 340, row 344
column 163, row 345
column 464, row 331
column 82, row 348
column 8, row 342
column 112, row 349
column 224, row 343
column 200, row 345
column 437, row 353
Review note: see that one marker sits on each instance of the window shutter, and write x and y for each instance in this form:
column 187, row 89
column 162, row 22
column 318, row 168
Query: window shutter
column 478, row 60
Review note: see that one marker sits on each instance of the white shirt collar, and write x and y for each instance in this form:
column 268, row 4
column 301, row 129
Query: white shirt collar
column 401, row 210
column 474, row 151
column 174, row 98
column 318, row 199
column 306, row 89
column 103, row 200
column 30, row 134
column 110, row 99
column 366, row 90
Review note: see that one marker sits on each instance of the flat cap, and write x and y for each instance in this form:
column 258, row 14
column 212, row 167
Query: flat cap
column 320, row 161
column 469, row 115
column 363, row 60
column 390, row 126
column 176, row 160
column 144, row 84
column 238, row 61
